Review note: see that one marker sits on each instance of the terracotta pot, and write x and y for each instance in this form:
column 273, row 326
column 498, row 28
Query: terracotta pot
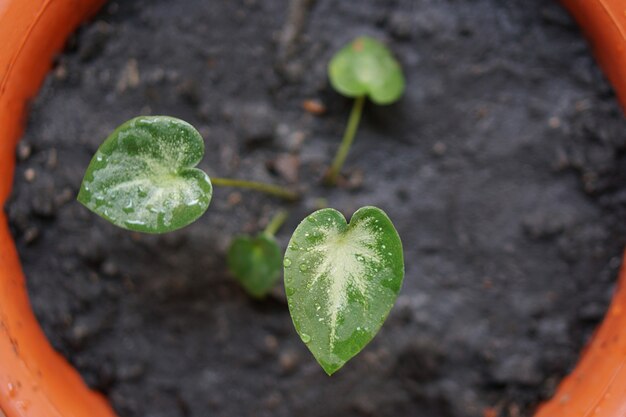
column 35, row 381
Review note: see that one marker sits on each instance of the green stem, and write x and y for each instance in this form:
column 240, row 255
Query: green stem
column 257, row 186
column 346, row 143
column 276, row 222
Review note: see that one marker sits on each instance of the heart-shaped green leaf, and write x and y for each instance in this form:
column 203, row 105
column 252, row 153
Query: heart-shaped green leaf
column 367, row 67
column 341, row 281
column 143, row 176
column 256, row 263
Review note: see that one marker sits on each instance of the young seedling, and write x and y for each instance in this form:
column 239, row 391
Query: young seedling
column 341, row 281
column 364, row 68
column 256, row 262
column 144, row 176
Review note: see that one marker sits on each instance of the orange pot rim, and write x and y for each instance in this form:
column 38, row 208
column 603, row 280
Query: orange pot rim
column 37, row 382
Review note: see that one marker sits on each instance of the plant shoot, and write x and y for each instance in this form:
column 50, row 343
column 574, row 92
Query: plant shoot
column 341, row 279
column 256, row 262
column 364, row 68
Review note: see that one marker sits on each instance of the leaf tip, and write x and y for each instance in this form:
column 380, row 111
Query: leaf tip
column 331, row 368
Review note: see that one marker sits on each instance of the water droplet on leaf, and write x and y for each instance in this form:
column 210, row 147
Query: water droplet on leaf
column 128, row 208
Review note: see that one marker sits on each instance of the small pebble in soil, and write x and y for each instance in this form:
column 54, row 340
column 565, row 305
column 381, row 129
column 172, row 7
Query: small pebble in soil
column 271, row 344
column 109, row 268
column 286, row 165
column 314, row 106
column 24, row 150
column 234, row 198
column 554, row 122
column 60, row 72
column 129, row 76
column 439, row 148
column 30, row 174
column 31, row 235
column 289, row 139
column 289, row 361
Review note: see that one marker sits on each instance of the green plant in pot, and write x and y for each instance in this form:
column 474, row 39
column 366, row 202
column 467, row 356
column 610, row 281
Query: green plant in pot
column 341, row 279
column 256, row 261
column 365, row 68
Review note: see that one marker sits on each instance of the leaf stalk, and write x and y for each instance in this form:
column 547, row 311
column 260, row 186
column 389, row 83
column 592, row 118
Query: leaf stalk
column 277, row 221
column 346, row 143
column 271, row 189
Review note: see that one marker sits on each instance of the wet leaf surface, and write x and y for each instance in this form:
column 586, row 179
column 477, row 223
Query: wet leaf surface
column 367, row 67
column 341, row 281
column 256, row 263
column 143, row 176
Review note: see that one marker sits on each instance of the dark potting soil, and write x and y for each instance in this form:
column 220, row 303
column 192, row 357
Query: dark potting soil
column 503, row 168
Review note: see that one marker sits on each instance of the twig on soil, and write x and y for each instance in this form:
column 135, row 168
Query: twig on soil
column 296, row 19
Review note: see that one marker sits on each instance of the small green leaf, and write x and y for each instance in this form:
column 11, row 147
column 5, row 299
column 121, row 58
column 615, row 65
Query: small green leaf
column 256, row 263
column 143, row 178
column 367, row 67
column 341, row 281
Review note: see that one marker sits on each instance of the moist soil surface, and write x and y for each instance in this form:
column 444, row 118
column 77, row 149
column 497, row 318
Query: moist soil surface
column 502, row 167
